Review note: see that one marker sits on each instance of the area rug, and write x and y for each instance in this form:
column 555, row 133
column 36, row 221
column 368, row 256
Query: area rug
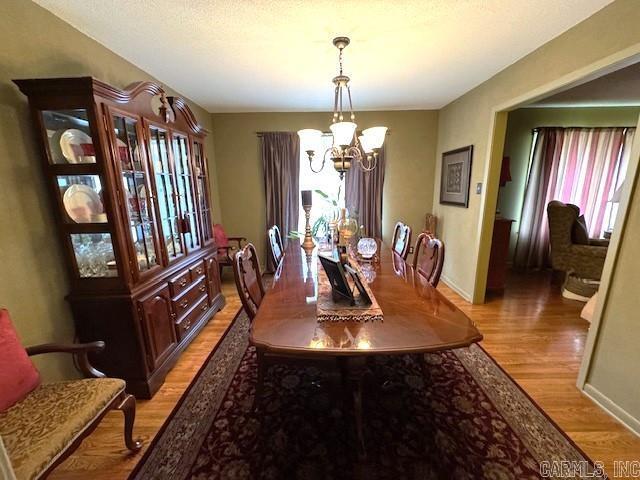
column 461, row 417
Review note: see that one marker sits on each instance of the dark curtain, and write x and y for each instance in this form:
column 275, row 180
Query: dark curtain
column 363, row 195
column 281, row 161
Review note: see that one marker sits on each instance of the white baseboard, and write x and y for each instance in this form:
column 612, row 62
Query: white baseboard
column 612, row 408
column 456, row 288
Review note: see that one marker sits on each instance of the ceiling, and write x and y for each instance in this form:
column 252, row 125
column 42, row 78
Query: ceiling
column 276, row 55
column 617, row 89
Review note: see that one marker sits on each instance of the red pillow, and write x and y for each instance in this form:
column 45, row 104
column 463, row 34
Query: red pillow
column 220, row 237
column 18, row 374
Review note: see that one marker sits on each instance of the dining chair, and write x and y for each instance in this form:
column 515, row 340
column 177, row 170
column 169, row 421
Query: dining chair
column 401, row 239
column 428, row 258
column 275, row 246
column 246, row 270
column 430, row 224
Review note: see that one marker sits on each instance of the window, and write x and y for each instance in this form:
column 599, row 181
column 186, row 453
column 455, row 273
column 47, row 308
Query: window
column 327, row 181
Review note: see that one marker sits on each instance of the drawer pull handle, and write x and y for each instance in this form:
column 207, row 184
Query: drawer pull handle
column 199, row 270
column 183, row 282
column 184, row 304
column 202, row 288
column 204, row 307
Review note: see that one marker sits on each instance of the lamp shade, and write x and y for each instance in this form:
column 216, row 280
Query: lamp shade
column 617, row 195
column 343, row 133
column 365, row 142
column 375, row 135
column 310, row 139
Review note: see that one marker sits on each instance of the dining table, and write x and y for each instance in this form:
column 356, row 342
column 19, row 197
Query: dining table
column 416, row 319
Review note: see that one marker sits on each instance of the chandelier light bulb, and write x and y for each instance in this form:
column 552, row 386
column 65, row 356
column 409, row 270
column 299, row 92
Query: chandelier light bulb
column 375, row 136
column 365, row 142
column 310, row 139
column 343, row 133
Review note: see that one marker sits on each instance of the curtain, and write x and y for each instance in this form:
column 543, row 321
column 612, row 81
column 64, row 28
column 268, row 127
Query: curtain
column 363, row 195
column 280, row 153
column 573, row 165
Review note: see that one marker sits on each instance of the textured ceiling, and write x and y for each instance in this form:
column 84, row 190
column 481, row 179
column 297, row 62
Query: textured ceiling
column 276, row 55
column 617, row 89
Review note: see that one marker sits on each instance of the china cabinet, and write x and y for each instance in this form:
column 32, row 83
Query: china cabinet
column 127, row 175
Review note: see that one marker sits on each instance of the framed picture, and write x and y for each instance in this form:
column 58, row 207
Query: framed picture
column 455, row 176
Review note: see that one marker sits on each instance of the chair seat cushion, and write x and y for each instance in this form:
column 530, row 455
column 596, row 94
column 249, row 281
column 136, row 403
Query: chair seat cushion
column 18, row 374
column 38, row 429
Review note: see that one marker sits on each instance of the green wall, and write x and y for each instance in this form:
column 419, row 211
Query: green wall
column 517, row 146
column 33, row 283
column 410, row 155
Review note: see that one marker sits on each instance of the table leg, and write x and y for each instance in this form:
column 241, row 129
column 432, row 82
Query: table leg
column 352, row 370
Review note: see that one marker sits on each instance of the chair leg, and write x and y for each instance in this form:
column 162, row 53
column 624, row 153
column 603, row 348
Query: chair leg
column 128, row 407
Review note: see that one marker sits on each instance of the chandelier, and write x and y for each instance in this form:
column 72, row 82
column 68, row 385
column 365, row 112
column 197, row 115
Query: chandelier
column 347, row 146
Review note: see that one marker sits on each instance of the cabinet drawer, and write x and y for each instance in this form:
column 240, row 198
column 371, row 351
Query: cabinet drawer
column 183, row 303
column 180, row 283
column 197, row 271
column 192, row 317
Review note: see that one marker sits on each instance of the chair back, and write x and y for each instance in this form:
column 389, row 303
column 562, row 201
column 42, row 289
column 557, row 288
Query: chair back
column 246, row 270
column 428, row 258
column 561, row 217
column 401, row 239
column 430, row 224
column 275, row 245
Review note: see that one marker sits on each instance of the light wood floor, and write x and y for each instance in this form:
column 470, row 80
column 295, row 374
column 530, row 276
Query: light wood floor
column 533, row 333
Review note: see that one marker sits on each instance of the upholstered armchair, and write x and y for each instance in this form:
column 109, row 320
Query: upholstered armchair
column 41, row 424
column 572, row 251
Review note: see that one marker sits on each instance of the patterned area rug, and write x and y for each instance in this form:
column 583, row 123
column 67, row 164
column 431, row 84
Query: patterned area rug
column 462, row 417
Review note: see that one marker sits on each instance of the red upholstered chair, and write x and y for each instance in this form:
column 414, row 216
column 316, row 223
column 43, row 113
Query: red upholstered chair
column 428, row 258
column 42, row 424
column 225, row 250
column 401, row 239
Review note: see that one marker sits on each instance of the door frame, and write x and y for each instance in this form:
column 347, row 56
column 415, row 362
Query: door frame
column 495, row 149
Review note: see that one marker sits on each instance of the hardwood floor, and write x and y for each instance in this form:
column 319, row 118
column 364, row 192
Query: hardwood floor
column 533, row 333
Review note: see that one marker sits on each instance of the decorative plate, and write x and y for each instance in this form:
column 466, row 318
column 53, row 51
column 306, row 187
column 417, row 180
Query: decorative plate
column 83, row 204
column 77, row 147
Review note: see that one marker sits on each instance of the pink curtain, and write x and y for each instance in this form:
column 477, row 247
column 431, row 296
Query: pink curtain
column 573, row 165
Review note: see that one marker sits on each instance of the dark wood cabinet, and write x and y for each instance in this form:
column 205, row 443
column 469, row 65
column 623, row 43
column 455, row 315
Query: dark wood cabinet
column 128, row 179
column 499, row 256
column 157, row 321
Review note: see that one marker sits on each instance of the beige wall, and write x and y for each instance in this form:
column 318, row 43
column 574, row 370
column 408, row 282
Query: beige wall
column 517, row 145
column 410, row 153
column 469, row 120
column 610, row 34
column 35, row 43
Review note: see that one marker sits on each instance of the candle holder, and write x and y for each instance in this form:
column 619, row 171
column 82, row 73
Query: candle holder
column 308, row 244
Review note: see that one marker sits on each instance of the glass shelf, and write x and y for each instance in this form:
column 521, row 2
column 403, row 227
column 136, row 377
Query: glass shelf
column 185, row 191
column 94, row 255
column 82, row 198
column 165, row 188
column 69, row 136
column 136, row 190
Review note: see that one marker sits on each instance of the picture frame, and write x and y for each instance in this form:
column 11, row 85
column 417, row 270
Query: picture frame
column 455, row 176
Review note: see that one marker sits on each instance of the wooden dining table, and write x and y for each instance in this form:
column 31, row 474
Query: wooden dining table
column 417, row 319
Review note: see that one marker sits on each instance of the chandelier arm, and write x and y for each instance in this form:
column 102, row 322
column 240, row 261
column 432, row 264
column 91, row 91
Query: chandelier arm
column 324, row 157
column 335, row 104
column 372, row 163
column 341, row 116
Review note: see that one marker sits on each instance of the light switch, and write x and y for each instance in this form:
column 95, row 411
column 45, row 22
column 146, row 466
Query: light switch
column 478, row 188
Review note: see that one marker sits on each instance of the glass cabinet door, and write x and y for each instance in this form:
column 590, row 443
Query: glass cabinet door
column 69, row 138
column 203, row 205
column 185, row 192
column 169, row 219
column 136, row 191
